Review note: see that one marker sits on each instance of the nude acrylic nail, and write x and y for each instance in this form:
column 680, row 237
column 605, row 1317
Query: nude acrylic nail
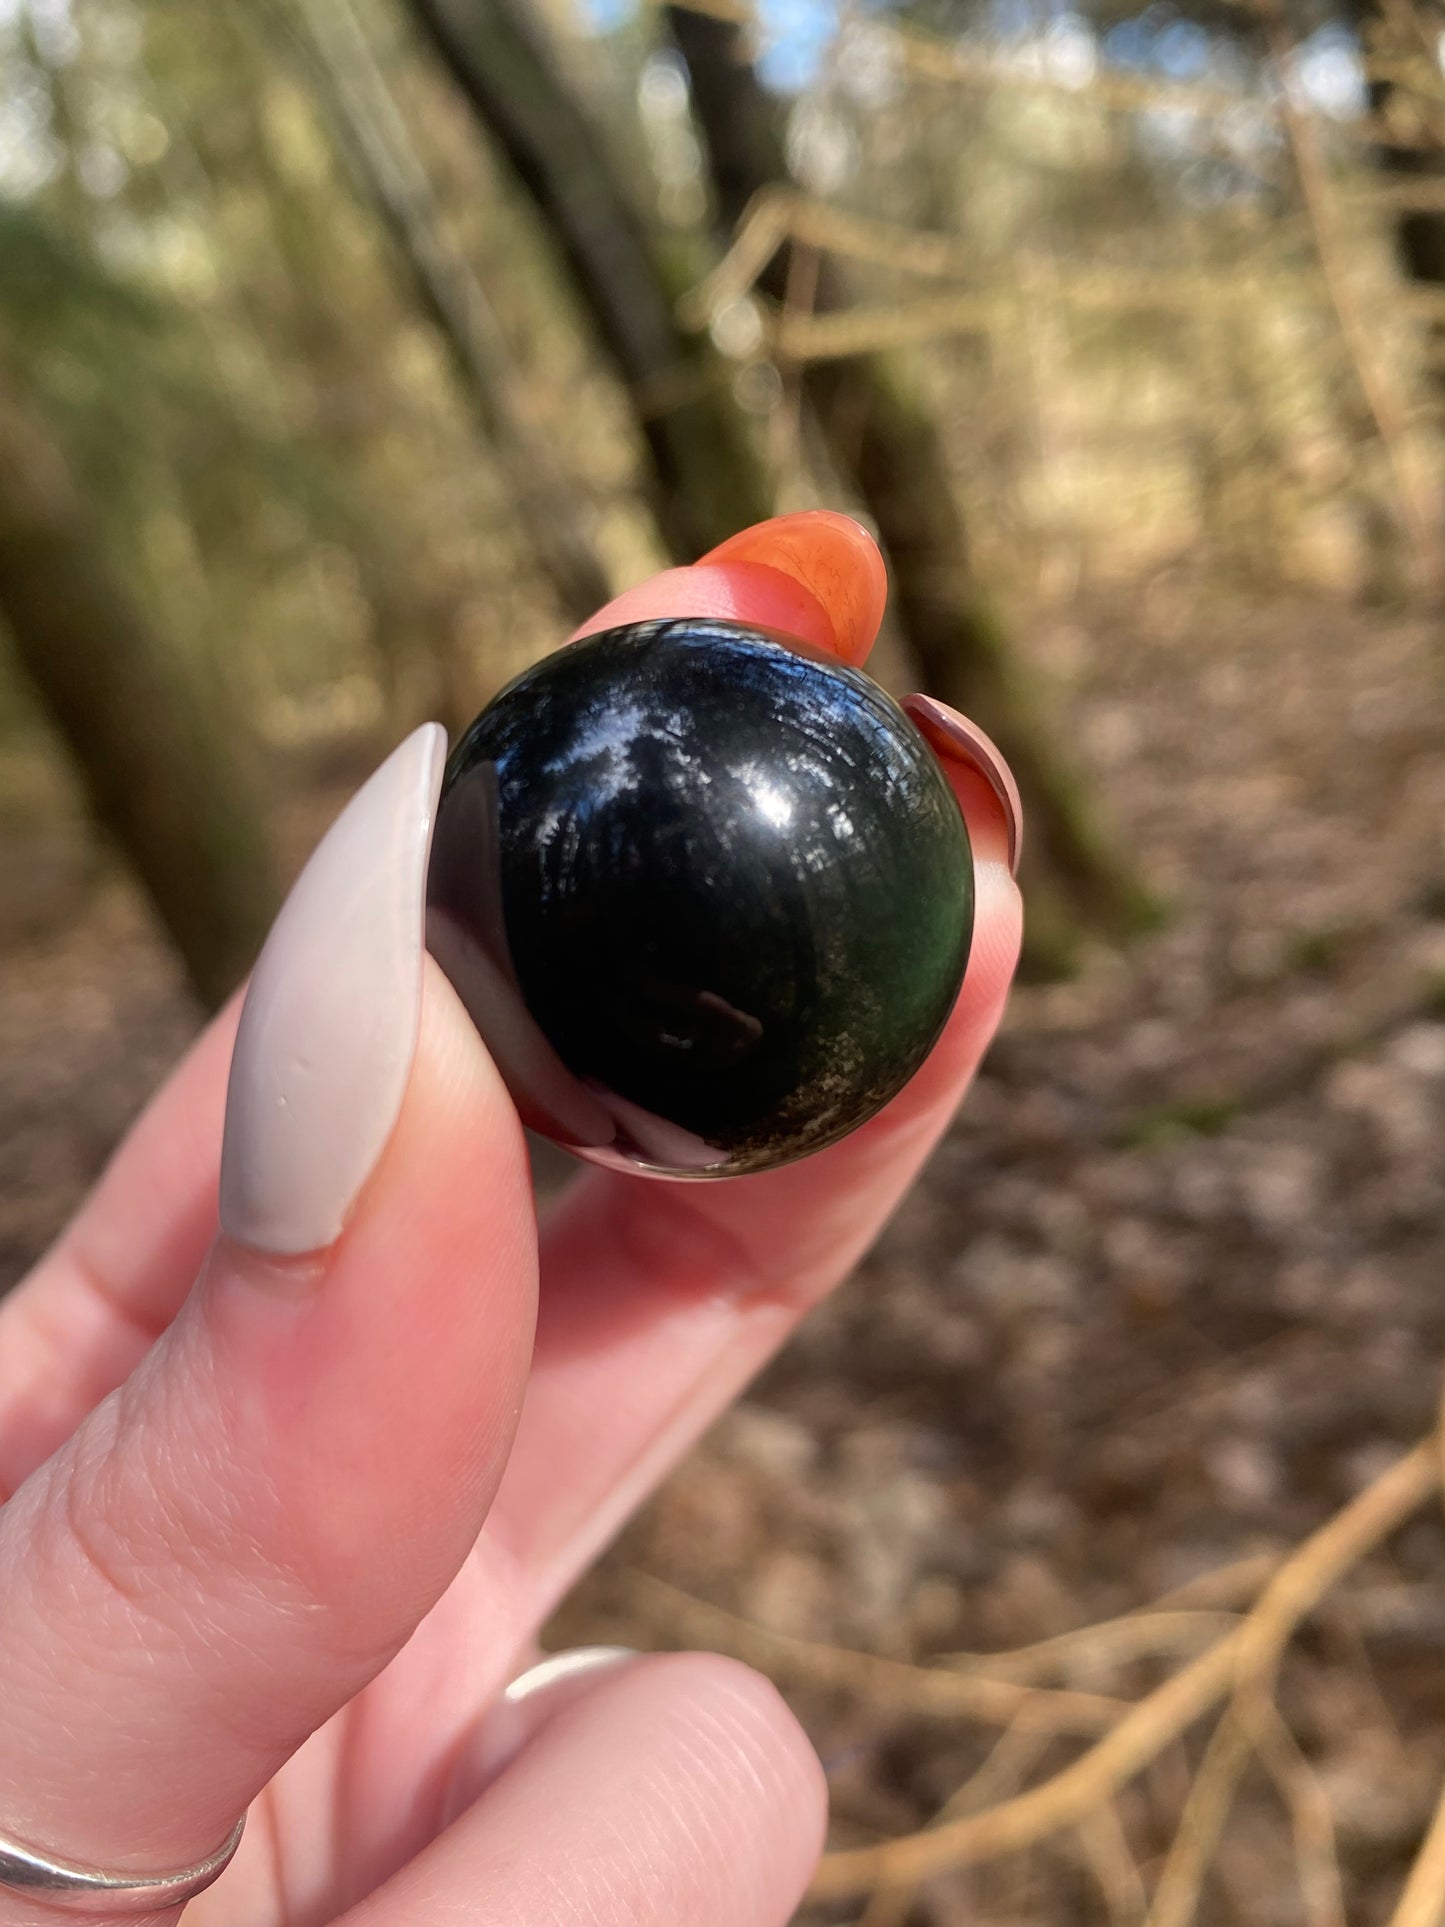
column 958, row 740
column 330, row 1022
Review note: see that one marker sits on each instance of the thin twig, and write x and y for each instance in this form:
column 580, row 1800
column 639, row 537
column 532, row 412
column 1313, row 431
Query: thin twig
column 780, row 214
column 1105, row 1848
column 1224, row 1589
column 1387, row 409
column 1113, row 1642
column 953, row 62
column 1006, row 1765
column 1059, row 1802
column 1249, row 1653
column 887, row 1907
column 1422, row 1903
column 1311, row 1821
column 800, row 296
column 931, row 1691
column 1205, row 1812
column 1422, row 1900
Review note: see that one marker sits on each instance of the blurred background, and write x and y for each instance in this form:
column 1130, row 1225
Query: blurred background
column 352, row 350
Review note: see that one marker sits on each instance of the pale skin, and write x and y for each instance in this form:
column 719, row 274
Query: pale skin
column 278, row 1532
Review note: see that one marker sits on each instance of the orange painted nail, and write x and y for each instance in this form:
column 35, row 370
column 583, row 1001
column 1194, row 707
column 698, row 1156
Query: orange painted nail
column 832, row 556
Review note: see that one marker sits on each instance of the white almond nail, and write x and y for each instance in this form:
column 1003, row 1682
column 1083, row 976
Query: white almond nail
column 528, row 1704
column 562, row 1669
column 330, row 1022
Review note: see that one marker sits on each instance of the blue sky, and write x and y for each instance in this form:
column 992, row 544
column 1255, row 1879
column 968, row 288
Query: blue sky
column 797, row 33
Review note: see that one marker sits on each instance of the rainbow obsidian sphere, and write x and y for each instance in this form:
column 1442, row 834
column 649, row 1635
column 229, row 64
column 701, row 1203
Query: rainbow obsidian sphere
column 705, row 892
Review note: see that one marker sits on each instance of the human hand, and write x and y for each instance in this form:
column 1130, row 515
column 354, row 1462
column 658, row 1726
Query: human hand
column 278, row 1526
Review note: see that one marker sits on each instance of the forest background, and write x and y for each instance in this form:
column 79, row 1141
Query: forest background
column 351, row 350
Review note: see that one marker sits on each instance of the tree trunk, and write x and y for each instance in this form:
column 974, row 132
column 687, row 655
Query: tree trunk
column 709, row 480
column 159, row 767
column 1404, row 153
column 372, row 136
column 881, row 437
column 301, row 317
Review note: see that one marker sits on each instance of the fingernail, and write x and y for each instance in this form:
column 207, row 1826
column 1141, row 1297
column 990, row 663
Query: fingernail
column 330, row 1022
column 532, row 1699
column 563, row 1669
column 960, row 741
column 834, row 557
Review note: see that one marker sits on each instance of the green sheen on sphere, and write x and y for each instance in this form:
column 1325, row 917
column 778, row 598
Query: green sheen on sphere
column 706, row 893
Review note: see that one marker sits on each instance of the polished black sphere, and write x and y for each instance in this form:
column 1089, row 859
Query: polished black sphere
column 705, row 892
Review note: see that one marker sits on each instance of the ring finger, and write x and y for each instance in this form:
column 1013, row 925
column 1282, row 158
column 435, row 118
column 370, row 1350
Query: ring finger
column 677, row 1791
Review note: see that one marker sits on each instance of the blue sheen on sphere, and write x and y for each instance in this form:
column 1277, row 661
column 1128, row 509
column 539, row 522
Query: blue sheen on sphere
column 706, row 894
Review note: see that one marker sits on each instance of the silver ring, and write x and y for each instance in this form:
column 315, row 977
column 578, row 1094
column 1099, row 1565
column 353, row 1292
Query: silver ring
column 93, row 1890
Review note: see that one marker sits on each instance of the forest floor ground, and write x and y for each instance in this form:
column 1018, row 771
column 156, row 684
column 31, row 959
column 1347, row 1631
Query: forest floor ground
column 1169, row 1294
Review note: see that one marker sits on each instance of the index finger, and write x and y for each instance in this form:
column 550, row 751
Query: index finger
column 84, row 1317
column 81, row 1321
